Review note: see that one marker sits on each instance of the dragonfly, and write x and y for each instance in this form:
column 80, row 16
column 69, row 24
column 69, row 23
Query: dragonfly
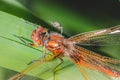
column 70, row 48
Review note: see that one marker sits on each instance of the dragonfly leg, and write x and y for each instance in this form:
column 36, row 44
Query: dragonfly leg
column 54, row 70
column 20, row 39
column 29, row 68
column 43, row 56
column 31, row 45
column 33, row 61
column 44, row 52
column 24, row 41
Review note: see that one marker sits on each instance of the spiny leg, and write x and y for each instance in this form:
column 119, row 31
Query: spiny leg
column 54, row 70
column 37, row 60
column 43, row 56
column 21, row 74
column 30, row 44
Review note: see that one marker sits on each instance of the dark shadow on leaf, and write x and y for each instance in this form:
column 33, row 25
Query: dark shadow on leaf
column 25, row 14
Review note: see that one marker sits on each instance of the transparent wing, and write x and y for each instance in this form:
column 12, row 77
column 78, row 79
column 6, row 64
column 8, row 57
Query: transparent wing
column 92, row 60
column 92, row 37
column 103, row 40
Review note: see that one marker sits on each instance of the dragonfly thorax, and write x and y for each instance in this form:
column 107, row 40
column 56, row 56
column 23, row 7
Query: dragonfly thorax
column 55, row 43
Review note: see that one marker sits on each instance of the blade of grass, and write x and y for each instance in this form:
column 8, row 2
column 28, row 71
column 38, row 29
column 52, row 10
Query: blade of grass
column 14, row 54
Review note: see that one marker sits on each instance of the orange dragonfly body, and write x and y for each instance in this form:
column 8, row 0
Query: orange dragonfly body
column 66, row 47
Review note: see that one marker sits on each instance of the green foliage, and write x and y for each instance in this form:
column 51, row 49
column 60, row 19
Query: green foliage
column 15, row 55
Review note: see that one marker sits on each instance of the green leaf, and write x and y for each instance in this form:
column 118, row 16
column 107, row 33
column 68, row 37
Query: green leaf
column 11, row 51
column 15, row 55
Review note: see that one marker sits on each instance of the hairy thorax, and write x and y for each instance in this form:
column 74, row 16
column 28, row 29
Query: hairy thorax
column 55, row 44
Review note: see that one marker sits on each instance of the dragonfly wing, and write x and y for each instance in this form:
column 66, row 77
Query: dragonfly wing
column 96, row 56
column 103, row 40
column 91, row 60
column 88, row 36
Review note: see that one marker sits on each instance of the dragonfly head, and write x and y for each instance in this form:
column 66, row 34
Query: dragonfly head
column 38, row 35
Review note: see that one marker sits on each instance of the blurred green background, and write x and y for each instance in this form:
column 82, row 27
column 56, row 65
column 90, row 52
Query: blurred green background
column 75, row 16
